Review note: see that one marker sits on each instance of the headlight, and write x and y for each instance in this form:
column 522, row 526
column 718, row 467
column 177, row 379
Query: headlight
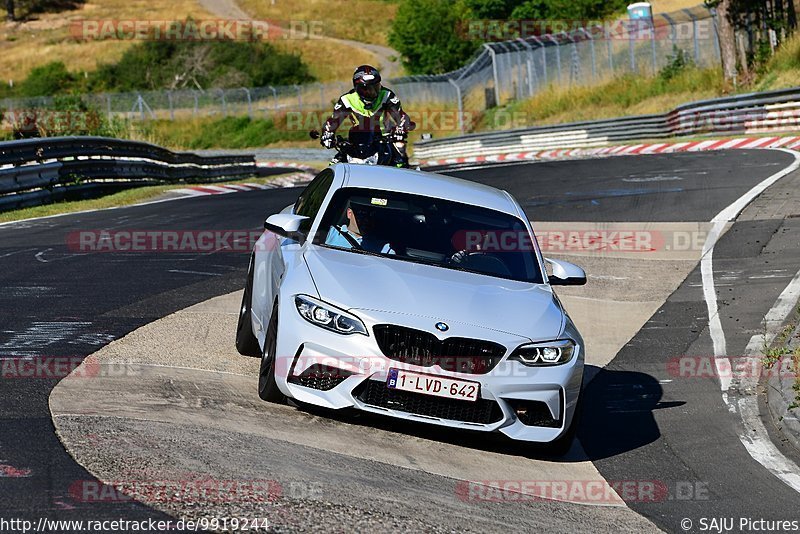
column 545, row 353
column 326, row 316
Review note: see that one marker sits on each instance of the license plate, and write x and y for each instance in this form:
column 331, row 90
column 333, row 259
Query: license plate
column 433, row 385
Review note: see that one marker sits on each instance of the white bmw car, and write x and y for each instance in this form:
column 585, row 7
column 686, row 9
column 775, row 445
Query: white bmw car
column 417, row 296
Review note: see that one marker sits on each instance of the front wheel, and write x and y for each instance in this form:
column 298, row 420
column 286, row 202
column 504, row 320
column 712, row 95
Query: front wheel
column 267, row 387
column 246, row 342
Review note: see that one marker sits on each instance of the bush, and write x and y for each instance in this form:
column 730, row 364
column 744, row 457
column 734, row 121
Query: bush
column 67, row 115
column 677, row 62
column 194, row 64
column 49, row 79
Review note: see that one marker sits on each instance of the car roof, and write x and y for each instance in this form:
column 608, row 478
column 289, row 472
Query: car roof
column 427, row 184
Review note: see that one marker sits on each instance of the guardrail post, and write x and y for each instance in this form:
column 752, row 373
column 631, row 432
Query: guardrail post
column 460, row 105
column 494, row 72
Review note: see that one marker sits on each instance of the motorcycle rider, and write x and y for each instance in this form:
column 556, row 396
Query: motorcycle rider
column 367, row 105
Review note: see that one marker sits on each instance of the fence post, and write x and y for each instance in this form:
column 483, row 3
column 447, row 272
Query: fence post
column 494, row 71
column 299, row 97
column 171, row 109
column 460, row 105
column 575, row 67
column 321, row 96
column 653, row 46
column 672, row 31
column 140, row 103
column 631, row 46
column 196, row 103
column 713, row 12
column 108, row 105
column 274, row 97
column 694, row 36
column 528, row 62
column 610, row 49
column 558, row 55
column 544, row 57
column 224, row 103
column 249, row 102
column 591, row 48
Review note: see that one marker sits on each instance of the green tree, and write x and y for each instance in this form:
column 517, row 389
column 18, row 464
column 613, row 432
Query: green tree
column 435, row 36
column 428, row 35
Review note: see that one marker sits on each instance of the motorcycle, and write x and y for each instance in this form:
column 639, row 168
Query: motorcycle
column 366, row 148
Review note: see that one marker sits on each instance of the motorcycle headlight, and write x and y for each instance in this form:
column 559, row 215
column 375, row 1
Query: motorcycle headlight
column 329, row 317
column 545, row 353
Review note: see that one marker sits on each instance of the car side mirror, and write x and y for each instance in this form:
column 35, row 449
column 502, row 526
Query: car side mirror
column 565, row 273
column 286, row 225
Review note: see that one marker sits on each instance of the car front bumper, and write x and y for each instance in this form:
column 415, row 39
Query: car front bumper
column 331, row 370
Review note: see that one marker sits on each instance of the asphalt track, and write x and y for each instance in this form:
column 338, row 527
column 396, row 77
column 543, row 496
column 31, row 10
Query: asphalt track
column 56, row 302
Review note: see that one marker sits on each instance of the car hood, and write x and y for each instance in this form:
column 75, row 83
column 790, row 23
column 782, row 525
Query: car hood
column 356, row 281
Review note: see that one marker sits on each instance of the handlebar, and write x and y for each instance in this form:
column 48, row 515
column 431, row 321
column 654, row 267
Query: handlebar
column 339, row 142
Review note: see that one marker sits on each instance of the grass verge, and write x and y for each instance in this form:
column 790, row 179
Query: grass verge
column 206, row 133
column 786, row 345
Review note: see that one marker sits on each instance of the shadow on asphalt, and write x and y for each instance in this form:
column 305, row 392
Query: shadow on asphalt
column 617, row 413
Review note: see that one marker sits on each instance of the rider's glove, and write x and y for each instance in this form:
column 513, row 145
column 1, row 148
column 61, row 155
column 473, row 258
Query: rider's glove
column 327, row 139
column 399, row 135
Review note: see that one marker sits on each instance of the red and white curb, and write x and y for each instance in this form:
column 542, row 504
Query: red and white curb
column 626, row 150
column 285, row 165
column 290, row 180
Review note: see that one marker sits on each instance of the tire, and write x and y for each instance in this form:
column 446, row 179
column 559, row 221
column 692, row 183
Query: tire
column 267, row 387
column 246, row 342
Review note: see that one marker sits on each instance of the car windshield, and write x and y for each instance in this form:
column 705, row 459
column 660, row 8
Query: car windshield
column 428, row 230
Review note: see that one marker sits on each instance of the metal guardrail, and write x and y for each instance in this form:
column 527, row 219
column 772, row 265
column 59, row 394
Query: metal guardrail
column 773, row 111
column 36, row 171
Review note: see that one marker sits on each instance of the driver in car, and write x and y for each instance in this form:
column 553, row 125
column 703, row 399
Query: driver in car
column 359, row 232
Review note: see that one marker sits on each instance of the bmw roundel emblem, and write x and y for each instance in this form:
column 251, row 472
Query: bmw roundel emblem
column 442, row 327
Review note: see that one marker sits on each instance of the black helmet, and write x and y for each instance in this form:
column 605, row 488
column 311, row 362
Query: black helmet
column 367, row 83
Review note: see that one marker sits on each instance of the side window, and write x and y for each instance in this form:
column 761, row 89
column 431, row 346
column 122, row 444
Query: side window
column 311, row 198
